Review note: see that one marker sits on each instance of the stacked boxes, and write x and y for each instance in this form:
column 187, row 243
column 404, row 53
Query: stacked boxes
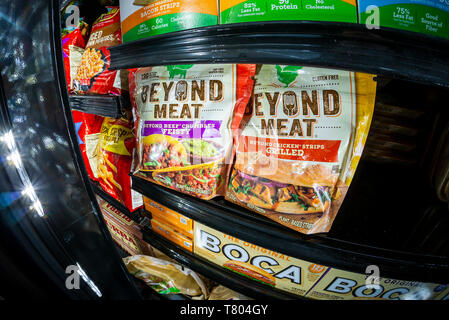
column 171, row 225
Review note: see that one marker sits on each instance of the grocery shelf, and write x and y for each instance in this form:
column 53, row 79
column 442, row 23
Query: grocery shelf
column 135, row 215
column 102, row 105
column 216, row 273
column 146, row 291
column 388, row 52
column 226, row 278
column 320, row 248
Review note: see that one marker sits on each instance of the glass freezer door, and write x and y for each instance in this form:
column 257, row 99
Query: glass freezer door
column 52, row 234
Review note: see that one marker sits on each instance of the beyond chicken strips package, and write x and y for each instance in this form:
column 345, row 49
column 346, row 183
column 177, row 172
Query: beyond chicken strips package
column 187, row 116
column 300, row 142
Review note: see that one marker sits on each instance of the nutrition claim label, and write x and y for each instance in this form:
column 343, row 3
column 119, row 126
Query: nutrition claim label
column 233, row 11
column 424, row 16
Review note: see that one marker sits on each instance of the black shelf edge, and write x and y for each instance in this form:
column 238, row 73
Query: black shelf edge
column 388, row 52
column 135, row 215
column 101, row 105
column 249, row 226
column 214, row 272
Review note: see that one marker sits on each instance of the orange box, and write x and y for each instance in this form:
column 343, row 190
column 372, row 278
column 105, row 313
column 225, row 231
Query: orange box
column 172, row 235
column 161, row 213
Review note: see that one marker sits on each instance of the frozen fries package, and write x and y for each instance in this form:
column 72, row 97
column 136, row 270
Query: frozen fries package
column 166, row 277
column 187, row 116
column 116, row 147
column 300, row 141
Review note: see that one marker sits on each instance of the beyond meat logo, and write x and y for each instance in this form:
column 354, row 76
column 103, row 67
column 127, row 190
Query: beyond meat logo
column 178, row 70
column 292, row 104
column 161, row 94
column 287, row 74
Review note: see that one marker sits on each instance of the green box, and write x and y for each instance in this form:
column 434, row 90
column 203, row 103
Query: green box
column 236, row 11
column 424, row 16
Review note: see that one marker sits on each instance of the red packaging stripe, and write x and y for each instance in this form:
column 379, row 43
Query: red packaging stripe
column 286, row 149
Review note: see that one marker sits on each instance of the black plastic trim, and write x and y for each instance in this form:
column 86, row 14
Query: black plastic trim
column 57, row 54
column 212, row 271
column 249, row 226
column 135, row 215
column 389, row 52
column 106, row 106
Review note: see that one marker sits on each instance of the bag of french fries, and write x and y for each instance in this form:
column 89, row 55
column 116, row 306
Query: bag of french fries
column 115, row 155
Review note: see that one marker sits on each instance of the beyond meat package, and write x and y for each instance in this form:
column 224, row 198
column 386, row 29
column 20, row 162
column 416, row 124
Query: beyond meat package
column 115, row 156
column 145, row 18
column 301, row 140
column 93, row 74
column 187, row 115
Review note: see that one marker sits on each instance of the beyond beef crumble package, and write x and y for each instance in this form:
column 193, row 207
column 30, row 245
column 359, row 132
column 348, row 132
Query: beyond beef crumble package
column 300, row 142
column 186, row 116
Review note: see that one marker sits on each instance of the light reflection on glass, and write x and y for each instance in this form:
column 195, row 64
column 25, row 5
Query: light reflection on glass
column 89, row 282
column 15, row 158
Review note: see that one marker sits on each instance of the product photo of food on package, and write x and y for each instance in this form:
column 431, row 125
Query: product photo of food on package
column 187, row 117
column 116, row 147
column 300, row 142
column 93, row 75
column 74, row 38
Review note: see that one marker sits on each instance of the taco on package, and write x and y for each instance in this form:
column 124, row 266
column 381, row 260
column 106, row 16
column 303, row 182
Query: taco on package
column 300, row 142
column 186, row 118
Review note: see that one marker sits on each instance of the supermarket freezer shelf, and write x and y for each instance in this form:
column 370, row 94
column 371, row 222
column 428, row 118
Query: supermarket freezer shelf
column 147, row 292
column 388, row 52
column 135, row 215
column 214, row 272
column 319, row 248
column 101, row 105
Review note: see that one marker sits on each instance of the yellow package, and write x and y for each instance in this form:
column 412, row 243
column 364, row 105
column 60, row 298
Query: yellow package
column 300, row 144
column 170, row 217
column 171, row 234
column 166, row 277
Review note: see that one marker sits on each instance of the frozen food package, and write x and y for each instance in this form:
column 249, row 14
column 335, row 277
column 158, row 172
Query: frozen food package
column 81, row 133
column 93, row 75
column 222, row 293
column 115, row 157
column 300, row 142
column 187, row 116
column 74, row 35
column 124, row 231
column 166, row 277
column 92, row 125
column 145, row 18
